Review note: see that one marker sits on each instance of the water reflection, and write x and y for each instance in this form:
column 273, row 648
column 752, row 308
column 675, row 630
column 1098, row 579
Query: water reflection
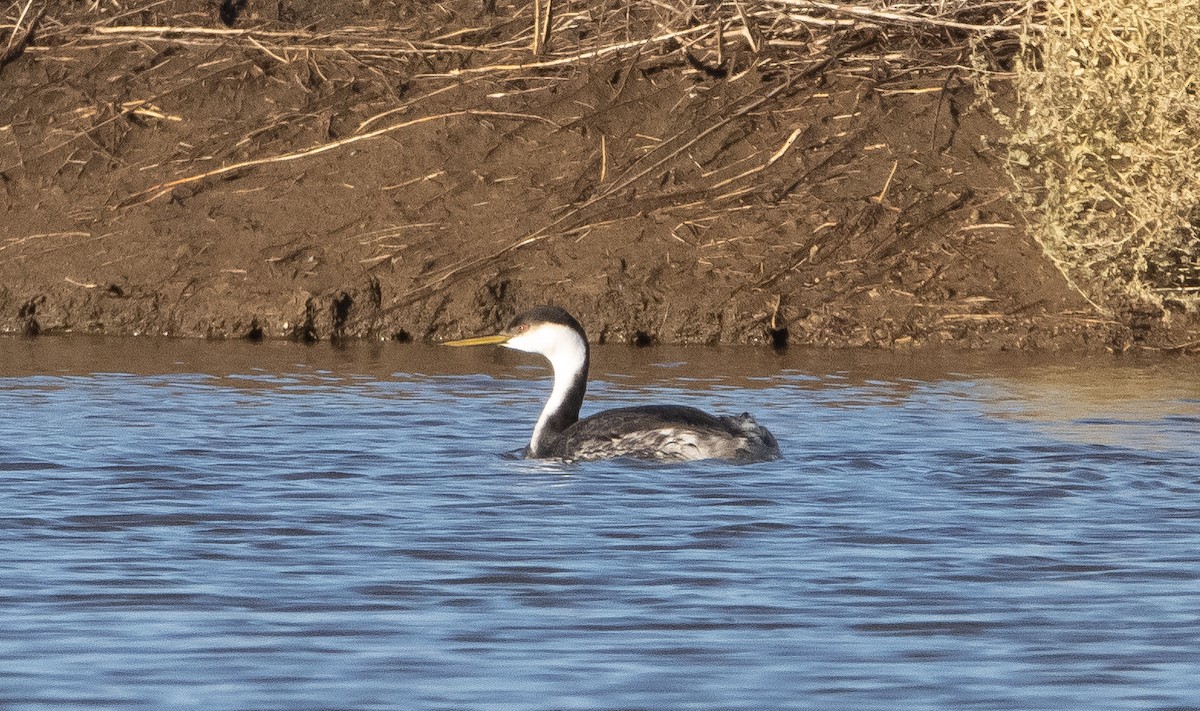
column 236, row 526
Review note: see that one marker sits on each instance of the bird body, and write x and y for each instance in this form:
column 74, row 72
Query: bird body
column 660, row 432
column 666, row 432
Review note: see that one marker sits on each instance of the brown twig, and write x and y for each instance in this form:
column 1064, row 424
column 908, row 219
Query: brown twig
column 623, row 182
column 898, row 18
column 544, row 232
column 86, row 133
column 20, row 39
column 583, row 56
column 157, row 191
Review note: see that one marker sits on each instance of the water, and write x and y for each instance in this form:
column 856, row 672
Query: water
column 228, row 526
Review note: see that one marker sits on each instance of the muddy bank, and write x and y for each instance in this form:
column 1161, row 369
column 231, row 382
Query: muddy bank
column 413, row 172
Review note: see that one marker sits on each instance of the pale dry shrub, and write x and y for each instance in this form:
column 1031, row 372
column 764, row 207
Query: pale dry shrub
column 1105, row 147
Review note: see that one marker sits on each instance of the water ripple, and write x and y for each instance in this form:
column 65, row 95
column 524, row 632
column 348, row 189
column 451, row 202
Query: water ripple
column 315, row 539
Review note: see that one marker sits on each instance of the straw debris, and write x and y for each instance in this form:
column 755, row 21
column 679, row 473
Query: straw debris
column 1105, row 143
column 695, row 170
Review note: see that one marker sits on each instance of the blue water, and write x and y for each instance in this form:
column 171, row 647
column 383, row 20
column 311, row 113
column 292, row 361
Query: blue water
column 227, row 526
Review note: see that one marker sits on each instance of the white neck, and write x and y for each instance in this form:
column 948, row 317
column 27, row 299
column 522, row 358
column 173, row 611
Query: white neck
column 562, row 384
column 568, row 356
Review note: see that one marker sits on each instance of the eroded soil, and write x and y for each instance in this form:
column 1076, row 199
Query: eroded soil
column 854, row 201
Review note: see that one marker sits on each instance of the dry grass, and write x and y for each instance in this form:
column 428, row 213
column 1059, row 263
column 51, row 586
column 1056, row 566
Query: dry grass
column 1106, row 142
column 778, row 43
column 724, row 40
column 559, row 34
column 25, row 20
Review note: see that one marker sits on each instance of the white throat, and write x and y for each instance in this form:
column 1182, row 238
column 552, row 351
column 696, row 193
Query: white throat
column 567, row 353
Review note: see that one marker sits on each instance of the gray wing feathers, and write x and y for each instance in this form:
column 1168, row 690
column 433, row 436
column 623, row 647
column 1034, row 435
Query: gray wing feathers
column 667, row 432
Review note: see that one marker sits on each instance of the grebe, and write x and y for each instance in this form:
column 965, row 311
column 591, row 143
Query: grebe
column 663, row 432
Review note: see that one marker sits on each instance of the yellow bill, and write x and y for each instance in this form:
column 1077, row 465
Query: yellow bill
column 479, row 340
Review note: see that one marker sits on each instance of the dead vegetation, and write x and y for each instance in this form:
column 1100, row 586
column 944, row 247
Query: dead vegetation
column 780, row 41
column 1105, row 144
column 710, row 171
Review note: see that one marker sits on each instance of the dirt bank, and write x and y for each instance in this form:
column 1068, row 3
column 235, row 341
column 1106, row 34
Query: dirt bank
column 411, row 170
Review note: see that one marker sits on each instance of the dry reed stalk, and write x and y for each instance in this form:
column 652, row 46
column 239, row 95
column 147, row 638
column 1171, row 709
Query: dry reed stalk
column 353, row 41
column 786, row 24
column 412, row 181
column 17, row 241
column 376, row 236
column 48, row 250
column 535, row 44
column 136, row 107
column 544, row 232
column 603, row 157
column 582, row 56
column 547, row 23
column 882, row 196
column 19, row 38
column 408, row 105
column 890, row 17
column 779, row 153
column 746, row 24
column 157, row 191
column 622, row 182
column 87, row 132
column 542, row 21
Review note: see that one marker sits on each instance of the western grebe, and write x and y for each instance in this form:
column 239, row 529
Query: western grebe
column 663, row 432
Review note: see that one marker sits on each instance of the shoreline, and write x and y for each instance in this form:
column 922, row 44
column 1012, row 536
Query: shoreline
column 199, row 185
